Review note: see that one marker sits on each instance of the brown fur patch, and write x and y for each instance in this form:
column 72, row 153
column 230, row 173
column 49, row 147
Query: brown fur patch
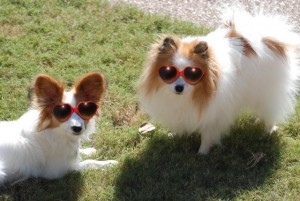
column 275, row 46
column 228, row 24
column 47, row 93
column 149, row 79
column 206, row 88
column 248, row 49
column 197, row 51
column 168, row 45
column 202, row 50
column 90, row 87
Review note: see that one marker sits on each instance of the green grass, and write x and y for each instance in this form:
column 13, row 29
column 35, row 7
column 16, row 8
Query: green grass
column 69, row 38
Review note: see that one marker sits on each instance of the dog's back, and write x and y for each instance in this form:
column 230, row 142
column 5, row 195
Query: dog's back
column 20, row 153
column 267, row 68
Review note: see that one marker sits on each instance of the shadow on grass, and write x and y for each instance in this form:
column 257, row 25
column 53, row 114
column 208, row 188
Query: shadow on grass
column 67, row 188
column 169, row 169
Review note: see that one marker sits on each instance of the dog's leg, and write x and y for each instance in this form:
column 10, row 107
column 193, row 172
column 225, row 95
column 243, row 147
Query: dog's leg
column 212, row 134
column 2, row 174
column 270, row 123
column 93, row 164
column 87, row 151
column 2, row 177
column 270, row 128
column 208, row 139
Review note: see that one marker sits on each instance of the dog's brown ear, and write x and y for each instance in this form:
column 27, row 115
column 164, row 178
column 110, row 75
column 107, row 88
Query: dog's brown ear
column 201, row 49
column 47, row 93
column 90, row 87
column 47, row 90
column 168, row 43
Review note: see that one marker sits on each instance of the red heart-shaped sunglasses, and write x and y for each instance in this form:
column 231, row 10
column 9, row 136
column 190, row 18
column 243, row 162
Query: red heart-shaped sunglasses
column 86, row 110
column 190, row 74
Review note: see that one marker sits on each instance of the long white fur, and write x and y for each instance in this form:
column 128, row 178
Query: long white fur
column 266, row 83
column 50, row 153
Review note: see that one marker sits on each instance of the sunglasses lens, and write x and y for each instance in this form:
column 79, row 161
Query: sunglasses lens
column 167, row 73
column 87, row 109
column 62, row 112
column 193, row 74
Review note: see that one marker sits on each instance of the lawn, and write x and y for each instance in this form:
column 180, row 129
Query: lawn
column 67, row 38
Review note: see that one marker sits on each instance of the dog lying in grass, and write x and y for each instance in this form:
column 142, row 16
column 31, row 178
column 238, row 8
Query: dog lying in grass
column 45, row 141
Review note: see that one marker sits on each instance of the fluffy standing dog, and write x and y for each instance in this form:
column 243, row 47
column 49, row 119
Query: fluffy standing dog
column 45, row 141
column 200, row 83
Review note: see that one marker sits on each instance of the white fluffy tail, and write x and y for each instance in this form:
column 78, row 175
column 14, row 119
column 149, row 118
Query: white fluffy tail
column 270, row 42
column 254, row 27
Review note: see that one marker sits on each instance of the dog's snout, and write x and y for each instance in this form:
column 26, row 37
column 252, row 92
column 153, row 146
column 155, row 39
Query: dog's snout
column 76, row 129
column 179, row 88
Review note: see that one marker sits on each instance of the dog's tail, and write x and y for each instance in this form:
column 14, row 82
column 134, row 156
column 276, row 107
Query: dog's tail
column 273, row 31
column 271, row 43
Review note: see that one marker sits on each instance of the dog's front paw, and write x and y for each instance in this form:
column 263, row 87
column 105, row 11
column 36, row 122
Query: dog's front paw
column 203, row 149
column 109, row 163
column 87, row 151
column 93, row 164
column 208, row 142
column 271, row 129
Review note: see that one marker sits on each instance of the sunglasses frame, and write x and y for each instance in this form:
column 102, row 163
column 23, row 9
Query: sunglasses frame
column 181, row 73
column 75, row 110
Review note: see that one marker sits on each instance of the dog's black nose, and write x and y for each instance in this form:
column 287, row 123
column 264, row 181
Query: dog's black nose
column 179, row 88
column 76, row 129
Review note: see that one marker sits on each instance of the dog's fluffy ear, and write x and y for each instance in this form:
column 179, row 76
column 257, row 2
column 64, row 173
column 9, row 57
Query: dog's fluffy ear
column 168, row 44
column 47, row 93
column 47, row 90
column 201, row 49
column 90, row 87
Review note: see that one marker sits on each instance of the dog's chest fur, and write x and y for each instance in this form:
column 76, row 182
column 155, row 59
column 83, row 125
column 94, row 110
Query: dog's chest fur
column 177, row 111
